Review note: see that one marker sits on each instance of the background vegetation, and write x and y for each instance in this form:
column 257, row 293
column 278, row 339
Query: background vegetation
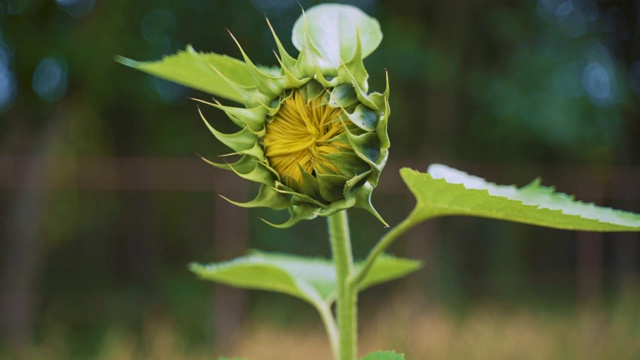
column 103, row 200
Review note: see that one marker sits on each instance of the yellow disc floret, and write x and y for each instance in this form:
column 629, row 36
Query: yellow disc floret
column 300, row 134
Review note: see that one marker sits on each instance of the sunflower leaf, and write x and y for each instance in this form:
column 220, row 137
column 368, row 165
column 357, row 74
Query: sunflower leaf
column 306, row 278
column 201, row 71
column 387, row 268
column 446, row 191
column 384, row 355
column 310, row 279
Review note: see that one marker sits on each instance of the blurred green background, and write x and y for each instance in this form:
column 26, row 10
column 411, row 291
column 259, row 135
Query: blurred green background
column 103, row 199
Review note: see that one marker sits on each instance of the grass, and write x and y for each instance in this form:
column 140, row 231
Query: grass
column 409, row 326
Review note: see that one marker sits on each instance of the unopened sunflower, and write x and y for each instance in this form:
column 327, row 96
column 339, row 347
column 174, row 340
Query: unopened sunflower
column 310, row 131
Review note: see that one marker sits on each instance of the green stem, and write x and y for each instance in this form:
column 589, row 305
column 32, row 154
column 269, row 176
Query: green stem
column 380, row 247
column 330, row 325
column 346, row 302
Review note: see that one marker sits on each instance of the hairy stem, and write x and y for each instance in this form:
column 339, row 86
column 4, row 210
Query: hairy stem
column 346, row 303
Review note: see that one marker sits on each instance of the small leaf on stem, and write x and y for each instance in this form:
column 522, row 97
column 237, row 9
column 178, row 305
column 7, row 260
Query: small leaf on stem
column 384, row 355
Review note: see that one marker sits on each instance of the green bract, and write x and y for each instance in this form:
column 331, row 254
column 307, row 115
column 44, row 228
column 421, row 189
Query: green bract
column 346, row 152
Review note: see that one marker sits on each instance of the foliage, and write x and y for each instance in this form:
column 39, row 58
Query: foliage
column 312, row 280
column 387, row 355
column 445, row 191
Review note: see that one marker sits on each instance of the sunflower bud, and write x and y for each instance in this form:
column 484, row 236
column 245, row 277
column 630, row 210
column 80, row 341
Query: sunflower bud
column 310, row 132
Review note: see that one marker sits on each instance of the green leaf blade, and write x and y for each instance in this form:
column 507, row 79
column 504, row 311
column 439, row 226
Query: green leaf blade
column 388, row 268
column 310, row 279
column 384, row 355
column 199, row 71
column 445, row 191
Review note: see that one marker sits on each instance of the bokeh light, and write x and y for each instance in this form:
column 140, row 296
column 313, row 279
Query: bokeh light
column 8, row 85
column 77, row 8
column 158, row 27
column 49, row 80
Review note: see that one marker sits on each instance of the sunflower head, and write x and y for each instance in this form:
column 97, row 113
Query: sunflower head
column 301, row 138
column 310, row 132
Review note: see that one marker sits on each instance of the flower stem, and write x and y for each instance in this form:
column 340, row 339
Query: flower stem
column 346, row 305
